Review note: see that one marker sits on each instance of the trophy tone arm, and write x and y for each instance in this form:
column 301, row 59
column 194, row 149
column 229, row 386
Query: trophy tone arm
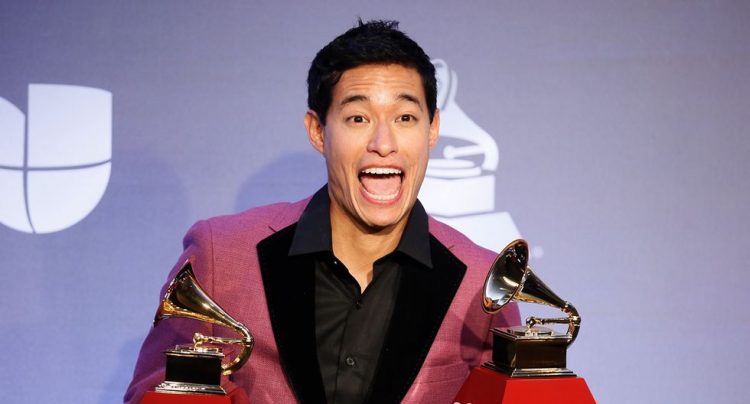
column 573, row 321
column 246, row 344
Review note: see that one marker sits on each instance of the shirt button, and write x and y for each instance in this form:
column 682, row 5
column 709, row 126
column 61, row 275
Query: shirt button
column 350, row 361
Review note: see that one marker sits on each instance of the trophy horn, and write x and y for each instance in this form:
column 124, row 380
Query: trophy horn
column 185, row 298
column 511, row 278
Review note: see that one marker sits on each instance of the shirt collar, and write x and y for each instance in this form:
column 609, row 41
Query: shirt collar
column 313, row 233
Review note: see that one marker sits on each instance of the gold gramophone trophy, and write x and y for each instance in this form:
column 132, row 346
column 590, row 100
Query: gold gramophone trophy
column 528, row 362
column 195, row 369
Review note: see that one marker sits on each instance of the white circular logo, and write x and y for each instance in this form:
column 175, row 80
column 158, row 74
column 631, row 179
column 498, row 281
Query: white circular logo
column 55, row 163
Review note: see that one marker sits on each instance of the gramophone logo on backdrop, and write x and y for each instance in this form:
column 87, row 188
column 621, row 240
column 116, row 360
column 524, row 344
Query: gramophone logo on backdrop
column 459, row 187
column 55, row 164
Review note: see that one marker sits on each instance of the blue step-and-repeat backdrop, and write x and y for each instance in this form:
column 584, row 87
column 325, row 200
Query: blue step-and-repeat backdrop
column 613, row 136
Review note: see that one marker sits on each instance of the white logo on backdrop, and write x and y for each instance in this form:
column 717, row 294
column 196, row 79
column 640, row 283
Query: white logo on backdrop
column 55, row 164
column 459, row 187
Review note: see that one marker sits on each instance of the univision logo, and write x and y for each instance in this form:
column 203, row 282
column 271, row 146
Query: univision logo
column 55, row 164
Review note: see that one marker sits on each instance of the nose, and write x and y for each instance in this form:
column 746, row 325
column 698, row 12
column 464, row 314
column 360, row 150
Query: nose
column 383, row 140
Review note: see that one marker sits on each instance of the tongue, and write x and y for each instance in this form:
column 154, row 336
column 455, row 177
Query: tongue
column 381, row 184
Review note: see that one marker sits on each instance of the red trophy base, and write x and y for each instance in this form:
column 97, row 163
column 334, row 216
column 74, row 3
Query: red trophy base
column 153, row 397
column 486, row 386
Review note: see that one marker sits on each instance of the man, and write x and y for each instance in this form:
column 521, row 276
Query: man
column 355, row 294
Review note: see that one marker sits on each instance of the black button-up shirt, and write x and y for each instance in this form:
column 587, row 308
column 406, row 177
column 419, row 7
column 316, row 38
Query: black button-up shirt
column 350, row 326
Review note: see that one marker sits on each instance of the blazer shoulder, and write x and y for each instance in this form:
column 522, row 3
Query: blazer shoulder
column 254, row 223
column 470, row 253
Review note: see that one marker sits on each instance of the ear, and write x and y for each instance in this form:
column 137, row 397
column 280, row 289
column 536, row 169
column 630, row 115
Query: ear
column 315, row 131
column 434, row 129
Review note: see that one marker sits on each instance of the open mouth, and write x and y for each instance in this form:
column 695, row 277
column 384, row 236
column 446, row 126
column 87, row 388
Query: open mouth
column 381, row 184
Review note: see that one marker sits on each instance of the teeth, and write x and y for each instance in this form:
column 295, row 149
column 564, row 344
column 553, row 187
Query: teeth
column 382, row 197
column 381, row 171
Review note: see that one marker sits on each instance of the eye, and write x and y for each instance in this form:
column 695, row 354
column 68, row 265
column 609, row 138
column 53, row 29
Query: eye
column 356, row 119
column 406, row 118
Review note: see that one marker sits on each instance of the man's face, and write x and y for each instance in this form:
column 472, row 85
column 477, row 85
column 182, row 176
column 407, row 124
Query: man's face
column 376, row 143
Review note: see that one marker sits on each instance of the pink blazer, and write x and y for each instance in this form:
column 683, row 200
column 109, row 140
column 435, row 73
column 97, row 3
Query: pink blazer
column 438, row 331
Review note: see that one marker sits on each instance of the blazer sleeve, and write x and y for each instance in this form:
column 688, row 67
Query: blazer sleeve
column 150, row 367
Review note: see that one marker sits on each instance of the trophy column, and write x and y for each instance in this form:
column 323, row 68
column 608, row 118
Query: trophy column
column 487, row 386
column 153, row 397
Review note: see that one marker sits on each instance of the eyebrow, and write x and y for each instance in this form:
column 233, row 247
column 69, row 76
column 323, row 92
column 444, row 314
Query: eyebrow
column 364, row 98
column 353, row 98
column 410, row 98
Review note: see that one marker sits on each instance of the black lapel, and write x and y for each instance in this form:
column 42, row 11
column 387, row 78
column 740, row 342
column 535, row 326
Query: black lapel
column 289, row 284
column 423, row 299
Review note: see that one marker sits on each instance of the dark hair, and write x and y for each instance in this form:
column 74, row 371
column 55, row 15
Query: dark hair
column 372, row 42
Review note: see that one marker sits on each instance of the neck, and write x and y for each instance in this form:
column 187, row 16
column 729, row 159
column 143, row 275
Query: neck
column 357, row 246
